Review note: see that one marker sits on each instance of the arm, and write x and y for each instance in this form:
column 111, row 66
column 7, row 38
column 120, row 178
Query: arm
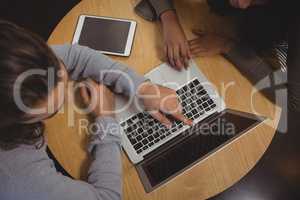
column 152, row 9
column 162, row 6
column 245, row 58
column 35, row 177
column 105, row 173
column 83, row 62
column 176, row 45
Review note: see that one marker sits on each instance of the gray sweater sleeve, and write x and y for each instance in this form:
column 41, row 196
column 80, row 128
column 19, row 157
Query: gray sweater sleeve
column 152, row 9
column 27, row 173
column 83, row 62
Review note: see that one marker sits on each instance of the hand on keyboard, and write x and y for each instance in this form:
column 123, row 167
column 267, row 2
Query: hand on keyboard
column 159, row 101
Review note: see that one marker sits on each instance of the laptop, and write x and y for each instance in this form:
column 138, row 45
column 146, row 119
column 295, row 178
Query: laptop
column 159, row 153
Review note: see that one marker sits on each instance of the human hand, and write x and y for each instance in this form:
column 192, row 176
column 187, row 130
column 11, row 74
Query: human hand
column 209, row 44
column 243, row 4
column 99, row 99
column 160, row 101
column 176, row 45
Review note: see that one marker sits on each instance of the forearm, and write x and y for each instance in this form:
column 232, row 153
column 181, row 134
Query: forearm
column 153, row 9
column 83, row 62
column 105, row 173
column 169, row 18
column 162, row 6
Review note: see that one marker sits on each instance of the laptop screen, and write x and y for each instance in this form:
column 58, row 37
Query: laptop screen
column 204, row 139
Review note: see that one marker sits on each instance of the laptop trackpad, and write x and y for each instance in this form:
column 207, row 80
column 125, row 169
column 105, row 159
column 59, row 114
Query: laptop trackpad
column 203, row 139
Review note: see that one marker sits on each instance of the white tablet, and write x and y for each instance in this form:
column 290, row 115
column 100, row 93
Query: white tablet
column 107, row 35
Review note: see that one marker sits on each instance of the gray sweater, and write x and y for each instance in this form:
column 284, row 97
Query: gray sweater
column 152, row 9
column 27, row 173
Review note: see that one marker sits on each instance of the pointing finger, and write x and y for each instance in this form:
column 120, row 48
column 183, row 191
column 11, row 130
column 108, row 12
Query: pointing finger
column 179, row 116
column 84, row 94
column 161, row 118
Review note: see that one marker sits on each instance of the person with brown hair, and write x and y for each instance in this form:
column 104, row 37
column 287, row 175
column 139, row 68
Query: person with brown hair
column 32, row 79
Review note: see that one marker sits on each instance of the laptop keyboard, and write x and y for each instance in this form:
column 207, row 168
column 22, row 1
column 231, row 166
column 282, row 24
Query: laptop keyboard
column 143, row 131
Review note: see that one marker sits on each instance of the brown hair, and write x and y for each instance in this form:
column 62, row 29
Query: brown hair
column 20, row 51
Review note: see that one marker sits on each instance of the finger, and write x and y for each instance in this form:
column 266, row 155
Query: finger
column 184, row 52
column 234, row 3
column 97, row 89
column 95, row 92
column 84, row 94
column 161, row 118
column 202, row 52
column 244, row 4
column 179, row 116
column 165, row 53
column 177, row 58
column 194, row 41
column 189, row 53
column 198, row 48
column 93, row 89
column 198, row 32
column 170, row 56
column 197, row 44
column 166, row 50
column 93, row 83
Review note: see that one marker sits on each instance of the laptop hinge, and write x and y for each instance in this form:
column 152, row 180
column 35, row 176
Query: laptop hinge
column 177, row 139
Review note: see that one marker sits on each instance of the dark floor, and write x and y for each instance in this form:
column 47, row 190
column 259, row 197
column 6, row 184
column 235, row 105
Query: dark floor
column 39, row 16
column 277, row 174
column 275, row 177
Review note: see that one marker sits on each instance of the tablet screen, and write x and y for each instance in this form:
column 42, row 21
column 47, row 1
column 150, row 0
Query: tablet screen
column 105, row 34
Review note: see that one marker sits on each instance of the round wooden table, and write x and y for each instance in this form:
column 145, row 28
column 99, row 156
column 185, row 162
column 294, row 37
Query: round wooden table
column 205, row 179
